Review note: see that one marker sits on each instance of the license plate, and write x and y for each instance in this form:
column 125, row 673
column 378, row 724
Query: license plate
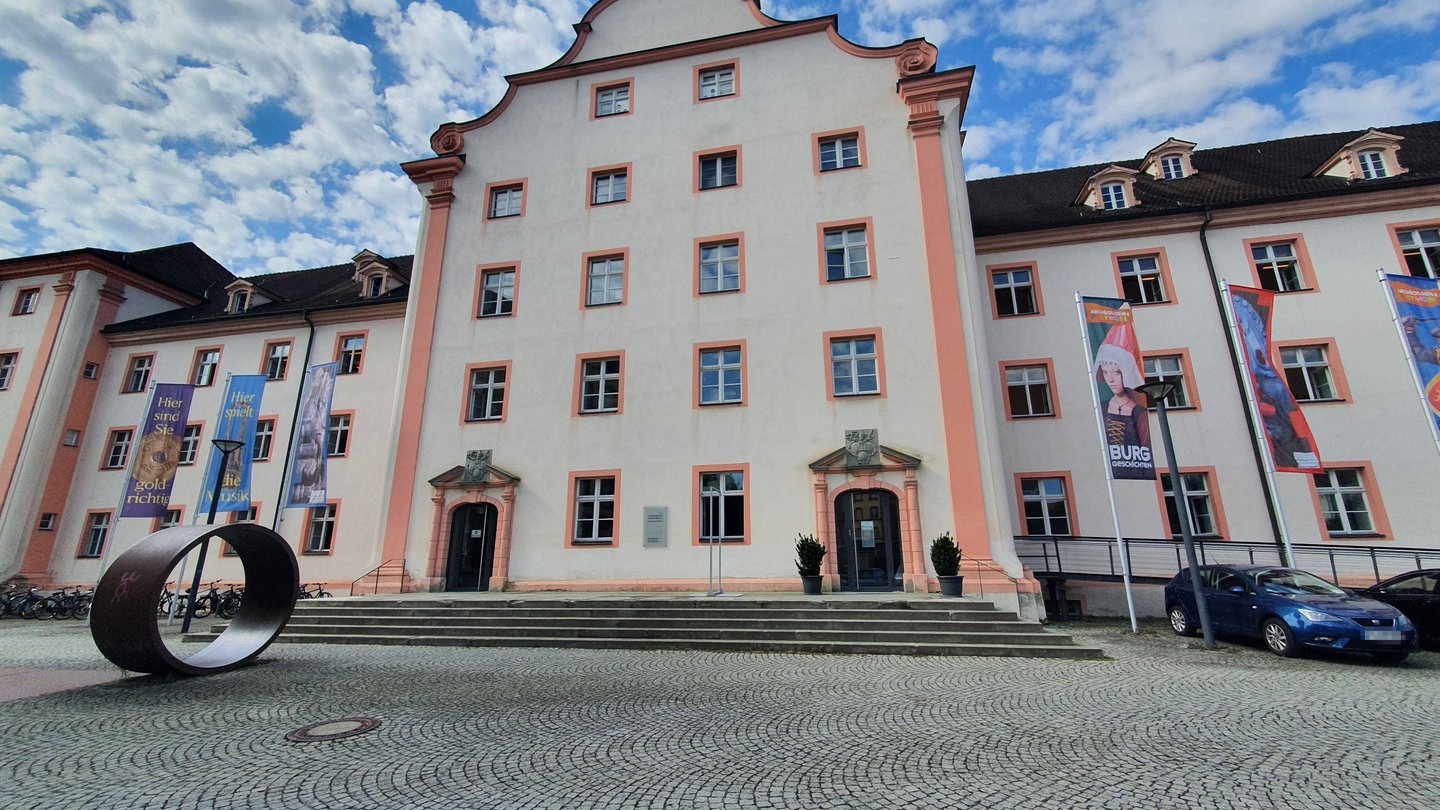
column 1383, row 635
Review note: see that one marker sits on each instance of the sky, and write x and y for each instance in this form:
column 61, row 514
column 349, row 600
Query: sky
column 270, row 132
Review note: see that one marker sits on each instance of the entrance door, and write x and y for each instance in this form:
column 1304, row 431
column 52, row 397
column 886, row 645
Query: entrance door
column 867, row 537
column 472, row 548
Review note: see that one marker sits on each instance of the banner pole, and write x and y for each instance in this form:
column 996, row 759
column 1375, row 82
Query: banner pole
column 1109, row 481
column 1409, row 362
column 1287, row 552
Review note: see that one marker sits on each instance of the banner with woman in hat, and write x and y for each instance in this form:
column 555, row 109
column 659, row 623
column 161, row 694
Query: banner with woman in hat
column 1115, row 362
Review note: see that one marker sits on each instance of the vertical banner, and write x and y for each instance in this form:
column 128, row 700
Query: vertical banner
column 305, row 484
column 1115, row 363
column 1417, row 305
column 157, row 453
column 1286, row 432
column 239, row 415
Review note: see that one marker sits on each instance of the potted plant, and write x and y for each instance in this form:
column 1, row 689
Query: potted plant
column 945, row 556
column 808, row 554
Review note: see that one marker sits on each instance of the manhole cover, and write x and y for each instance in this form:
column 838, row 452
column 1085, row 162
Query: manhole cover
column 333, row 729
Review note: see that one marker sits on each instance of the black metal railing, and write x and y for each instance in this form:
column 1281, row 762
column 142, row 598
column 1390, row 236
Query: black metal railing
column 391, row 569
column 1159, row 559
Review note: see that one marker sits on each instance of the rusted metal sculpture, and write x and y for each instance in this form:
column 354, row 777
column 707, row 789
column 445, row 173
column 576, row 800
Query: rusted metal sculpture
column 124, row 623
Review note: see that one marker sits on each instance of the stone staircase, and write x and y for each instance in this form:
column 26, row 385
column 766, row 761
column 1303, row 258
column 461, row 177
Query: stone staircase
column 919, row 626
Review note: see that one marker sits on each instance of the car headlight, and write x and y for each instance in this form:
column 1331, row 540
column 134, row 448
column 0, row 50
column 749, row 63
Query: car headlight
column 1401, row 622
column 1313, row 615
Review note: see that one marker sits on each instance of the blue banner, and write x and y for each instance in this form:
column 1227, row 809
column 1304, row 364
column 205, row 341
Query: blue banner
column 239, row 413
column 157, row 453
column 1417, row 304
column 1292, row 447
column 305, row 484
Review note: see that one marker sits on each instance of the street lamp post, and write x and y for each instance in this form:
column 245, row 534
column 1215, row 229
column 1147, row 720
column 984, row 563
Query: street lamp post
column 226, row 447
column 1156, row 392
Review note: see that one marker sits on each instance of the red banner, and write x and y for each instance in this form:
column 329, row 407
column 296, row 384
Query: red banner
column 1292, row 447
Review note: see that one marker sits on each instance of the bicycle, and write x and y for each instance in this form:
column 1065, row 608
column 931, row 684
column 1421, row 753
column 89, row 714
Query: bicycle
column 312, row 591
column 228, row 603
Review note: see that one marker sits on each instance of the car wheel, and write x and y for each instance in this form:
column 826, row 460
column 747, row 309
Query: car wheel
column 1180, row 621
column 1390, row 656
column 1279, row 639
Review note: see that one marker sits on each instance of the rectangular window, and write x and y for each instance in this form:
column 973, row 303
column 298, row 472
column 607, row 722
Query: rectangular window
column 1046, row 505
column 375, row 285
column 1344, row 506
column 487, row 395
column 1307, row 371
column 839, row 153
column 612, row 100
column 717, row 82
column 264, row 437
column 97, row 528
column 721, row 376
column 71, row 438
column 1141, row 279
column 351, row 354
column 720, row 267
column 846, row 254
column 507, row 201
column 1169, row 368
column 600, row 385
column 1014, row 290
column 207, row 363
column 337, row 438
column 320, row 535
column 47, row 521
column 854, row 366
column 497, row 293
column 1372, row 166
column 137, row 374
column 171, row 519
column 251, row 515
column 594, row 511
column 91, row 371
column 117, row 450
column 722, row 507
column 7, row 368
column 1196, row 487
column 1278, row 267
column 1172, row 167
column 1421, row 251
column 1112, row 196
column 719, row 170
column 26, row 301
column 189, row 444
column 277, row 360
column 605, row 281
column 1028, row 391
column 609, row 186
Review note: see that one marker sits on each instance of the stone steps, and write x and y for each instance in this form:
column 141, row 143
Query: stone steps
column 926, row 626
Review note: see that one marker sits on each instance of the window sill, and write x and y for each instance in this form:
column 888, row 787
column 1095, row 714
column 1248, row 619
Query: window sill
column 866, row 277
column 842, row 169
column 483, row 421
column 504, row 216
column 1333, row 401
column 717, row 188
column 1355, row 536
column 308, row 553
column 591, row 543
column 1032, row 416
column 598, row 413
column 1001, row 315
column 859, row 395
column 739, row 404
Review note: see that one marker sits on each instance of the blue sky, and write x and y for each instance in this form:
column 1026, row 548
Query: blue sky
column 269, row 131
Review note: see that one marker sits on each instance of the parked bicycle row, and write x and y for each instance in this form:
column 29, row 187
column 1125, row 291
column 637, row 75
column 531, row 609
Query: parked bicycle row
column 31, row 604
column 74, row 603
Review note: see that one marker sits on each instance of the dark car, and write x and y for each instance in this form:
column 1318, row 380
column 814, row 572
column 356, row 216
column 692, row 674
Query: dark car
column 1417, row 595
column 1290, row 610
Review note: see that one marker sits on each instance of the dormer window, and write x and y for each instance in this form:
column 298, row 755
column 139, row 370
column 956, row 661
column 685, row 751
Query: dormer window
column 1112, row 196
column 375, row 274
column 1372, row 156
column 1171, row 167
column 375, row 285
column 1110, row 189
column 1372, row 165
column 1170, row 160
column 239, row 300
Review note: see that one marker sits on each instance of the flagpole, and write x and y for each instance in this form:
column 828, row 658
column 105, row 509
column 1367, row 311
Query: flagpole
column 1409, row 361
column 1109, row 481
column 1287, row 552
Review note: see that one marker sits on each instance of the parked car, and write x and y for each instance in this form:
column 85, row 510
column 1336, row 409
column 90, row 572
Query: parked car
column 1417, row 595
column 1290, row 610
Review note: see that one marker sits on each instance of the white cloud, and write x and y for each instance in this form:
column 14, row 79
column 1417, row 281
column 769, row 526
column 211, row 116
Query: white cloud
column 1341, row 97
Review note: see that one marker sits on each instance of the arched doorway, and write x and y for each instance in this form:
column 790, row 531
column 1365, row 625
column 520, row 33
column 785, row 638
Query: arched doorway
column 472, row 547
column 870, row 556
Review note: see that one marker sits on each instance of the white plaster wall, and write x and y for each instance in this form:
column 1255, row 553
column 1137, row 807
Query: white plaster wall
column 547, row 137
column 23, row 334
column 637, row 25
column 1382, row 423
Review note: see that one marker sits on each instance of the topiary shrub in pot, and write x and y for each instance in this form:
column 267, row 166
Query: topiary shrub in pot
column 945, row 556
column 809, row 552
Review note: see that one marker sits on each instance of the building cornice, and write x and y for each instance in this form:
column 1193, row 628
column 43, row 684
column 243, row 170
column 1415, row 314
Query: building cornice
column 215, row 327
column 76, row 262
column 1221, row 217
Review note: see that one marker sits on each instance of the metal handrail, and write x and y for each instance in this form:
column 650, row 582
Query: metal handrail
column 375, row 572
column 1150, row 558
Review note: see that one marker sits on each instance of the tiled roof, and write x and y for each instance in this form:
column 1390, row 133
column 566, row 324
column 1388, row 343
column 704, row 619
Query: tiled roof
column 321, row 288
column 1249, row 174
column 184, row 267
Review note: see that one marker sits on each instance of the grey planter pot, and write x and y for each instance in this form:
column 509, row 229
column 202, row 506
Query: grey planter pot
column 811, row 585
column 952, row 586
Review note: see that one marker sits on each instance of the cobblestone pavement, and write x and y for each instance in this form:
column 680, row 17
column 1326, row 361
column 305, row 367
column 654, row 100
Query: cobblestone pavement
column 1162, row 724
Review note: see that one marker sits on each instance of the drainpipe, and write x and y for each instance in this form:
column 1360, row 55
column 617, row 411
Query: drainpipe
column 1272, row 506
column 295, row 414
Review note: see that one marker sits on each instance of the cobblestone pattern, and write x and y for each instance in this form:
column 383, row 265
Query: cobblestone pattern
column 1162, row 724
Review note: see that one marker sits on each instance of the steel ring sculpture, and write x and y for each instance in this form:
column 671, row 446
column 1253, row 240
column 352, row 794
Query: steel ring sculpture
column 126, row 628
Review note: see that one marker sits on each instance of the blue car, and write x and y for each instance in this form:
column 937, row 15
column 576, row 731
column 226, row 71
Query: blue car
column 1290, row 611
